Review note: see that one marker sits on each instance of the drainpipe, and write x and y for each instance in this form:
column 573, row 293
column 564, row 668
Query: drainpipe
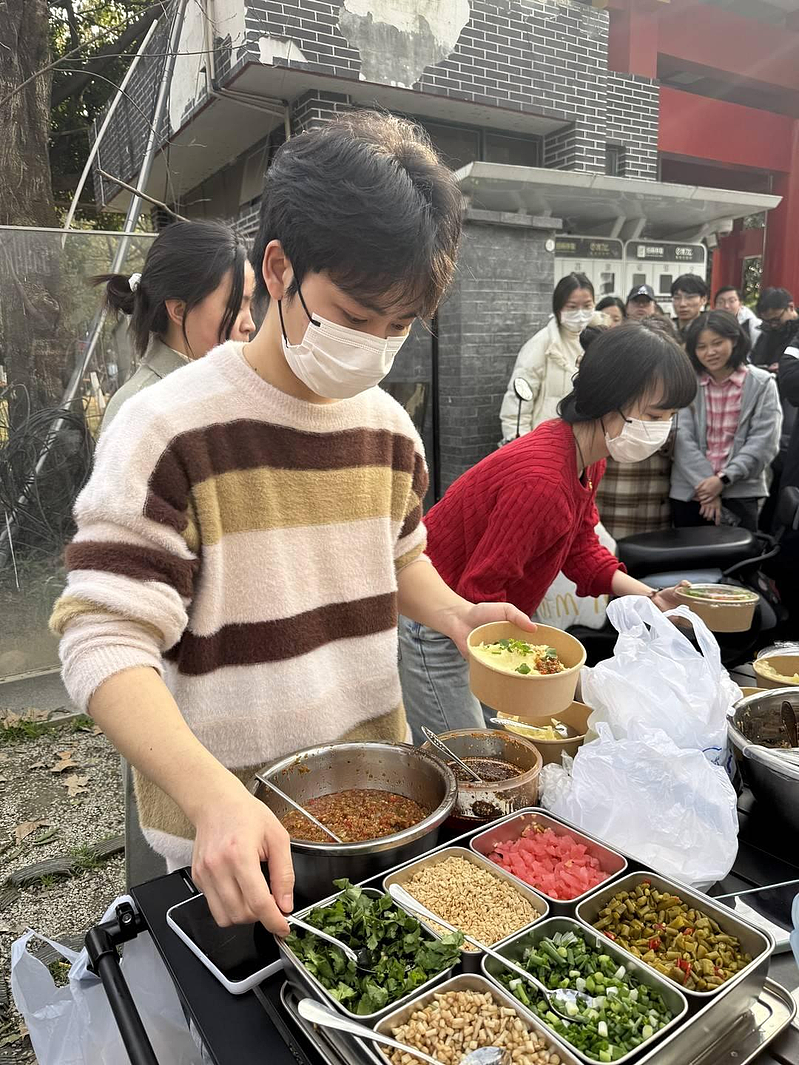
column 131, row 221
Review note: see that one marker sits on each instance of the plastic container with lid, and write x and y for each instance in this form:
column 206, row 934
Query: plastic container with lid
column 722, row 607
column 487, row 751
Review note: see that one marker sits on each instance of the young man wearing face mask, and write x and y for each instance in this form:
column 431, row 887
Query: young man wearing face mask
column 548, row 360
column 507, row 527
column 253, row 522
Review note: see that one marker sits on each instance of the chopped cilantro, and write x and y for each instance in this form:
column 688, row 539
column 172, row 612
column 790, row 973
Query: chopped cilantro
column 524, row 669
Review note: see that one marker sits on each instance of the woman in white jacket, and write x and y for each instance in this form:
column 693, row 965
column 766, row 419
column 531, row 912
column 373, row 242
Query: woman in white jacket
column 548, row 361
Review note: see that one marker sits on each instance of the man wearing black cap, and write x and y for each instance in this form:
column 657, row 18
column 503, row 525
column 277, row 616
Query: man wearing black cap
column 641, row 302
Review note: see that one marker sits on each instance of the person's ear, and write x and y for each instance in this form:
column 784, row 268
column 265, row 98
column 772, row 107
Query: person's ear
column 276, row 270
column 176, row 310
column 791, row 307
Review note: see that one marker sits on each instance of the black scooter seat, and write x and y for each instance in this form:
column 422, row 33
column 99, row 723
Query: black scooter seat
column 684, row 549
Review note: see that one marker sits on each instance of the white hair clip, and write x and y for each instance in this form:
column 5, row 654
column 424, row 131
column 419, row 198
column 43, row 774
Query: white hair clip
column 134, row 281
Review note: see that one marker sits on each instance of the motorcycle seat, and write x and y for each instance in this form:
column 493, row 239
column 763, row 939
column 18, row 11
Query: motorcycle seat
column 683, row 549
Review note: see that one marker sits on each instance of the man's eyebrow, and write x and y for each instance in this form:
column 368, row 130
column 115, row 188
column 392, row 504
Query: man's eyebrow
column 375, row 308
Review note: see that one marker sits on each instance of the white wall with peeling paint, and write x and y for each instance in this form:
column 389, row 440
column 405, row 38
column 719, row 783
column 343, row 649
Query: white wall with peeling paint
column 188, row 81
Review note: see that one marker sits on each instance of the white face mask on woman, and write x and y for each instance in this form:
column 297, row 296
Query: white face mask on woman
column 337, row 362
column 575, row 321
column 638, row 440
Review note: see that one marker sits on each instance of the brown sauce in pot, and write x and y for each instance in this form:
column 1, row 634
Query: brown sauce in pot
column 355, row 815
column 491, row 770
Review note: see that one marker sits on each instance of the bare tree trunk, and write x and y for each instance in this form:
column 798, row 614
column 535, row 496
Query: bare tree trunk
column 29, row 268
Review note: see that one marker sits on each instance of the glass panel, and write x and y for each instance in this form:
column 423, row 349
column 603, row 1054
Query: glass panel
column 517, row 151
column 457, row 145
column 47, row 306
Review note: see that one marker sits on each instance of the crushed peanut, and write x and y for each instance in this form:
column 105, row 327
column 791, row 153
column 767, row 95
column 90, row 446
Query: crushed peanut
column 472, row 898
column 456, row 1022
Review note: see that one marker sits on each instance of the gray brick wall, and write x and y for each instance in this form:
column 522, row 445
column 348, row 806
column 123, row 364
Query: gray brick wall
column 632, row 118
column 501, row 296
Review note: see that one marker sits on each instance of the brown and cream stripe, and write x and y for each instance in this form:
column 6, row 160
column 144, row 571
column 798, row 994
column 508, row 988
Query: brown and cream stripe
column 247, row 545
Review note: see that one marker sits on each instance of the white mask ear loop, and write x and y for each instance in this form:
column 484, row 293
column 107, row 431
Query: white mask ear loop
column 311, row 318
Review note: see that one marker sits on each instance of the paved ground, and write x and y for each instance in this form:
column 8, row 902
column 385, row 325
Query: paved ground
column 60, row 796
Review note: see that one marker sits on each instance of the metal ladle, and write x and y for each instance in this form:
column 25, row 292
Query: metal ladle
column 359, row 957
column 559, row 1000
column 314, row 1012
column 442, row 747
column 300, row 809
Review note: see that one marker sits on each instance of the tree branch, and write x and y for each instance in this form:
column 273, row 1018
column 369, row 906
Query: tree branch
column 78, row 80
column 74, row 32
column 144, row 196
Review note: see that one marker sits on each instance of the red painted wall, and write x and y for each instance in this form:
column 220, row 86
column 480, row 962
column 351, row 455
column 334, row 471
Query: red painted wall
column 702, row 128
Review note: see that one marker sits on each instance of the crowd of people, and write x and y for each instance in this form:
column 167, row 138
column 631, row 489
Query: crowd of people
column 251, row 559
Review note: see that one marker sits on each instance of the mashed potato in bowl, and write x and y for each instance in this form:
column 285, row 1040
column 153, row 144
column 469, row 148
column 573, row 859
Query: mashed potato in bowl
column 766, row 669
column 517, row 656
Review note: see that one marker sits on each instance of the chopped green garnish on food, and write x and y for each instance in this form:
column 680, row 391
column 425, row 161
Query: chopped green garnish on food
column 625, row 1012
column 393, row 938
column 523, row 668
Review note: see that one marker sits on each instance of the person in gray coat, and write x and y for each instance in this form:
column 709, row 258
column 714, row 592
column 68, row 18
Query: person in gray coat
column 729, row 435
column 194, row 292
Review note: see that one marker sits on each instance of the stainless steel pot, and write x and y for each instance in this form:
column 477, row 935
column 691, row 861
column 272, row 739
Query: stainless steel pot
column 756, row 719
column 398, row 767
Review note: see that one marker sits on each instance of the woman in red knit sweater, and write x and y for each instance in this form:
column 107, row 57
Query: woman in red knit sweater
column 508, row 526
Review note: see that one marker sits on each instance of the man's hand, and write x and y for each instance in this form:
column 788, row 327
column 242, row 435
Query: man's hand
column 473, row 614
column 235, row 833
column 711, row 511
column 666, row 599
column 708, row 489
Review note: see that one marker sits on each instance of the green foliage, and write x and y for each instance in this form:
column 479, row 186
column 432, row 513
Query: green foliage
column 71, row 120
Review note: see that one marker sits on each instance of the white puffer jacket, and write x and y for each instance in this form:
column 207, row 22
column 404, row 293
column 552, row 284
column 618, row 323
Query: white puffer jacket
column 548, row 362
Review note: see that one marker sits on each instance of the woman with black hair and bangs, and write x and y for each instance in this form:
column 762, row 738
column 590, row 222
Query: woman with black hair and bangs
column 729, row 435
column 527, row 512
column 194, row 292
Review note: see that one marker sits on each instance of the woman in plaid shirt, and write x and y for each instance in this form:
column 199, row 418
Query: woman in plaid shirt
column 729, row 435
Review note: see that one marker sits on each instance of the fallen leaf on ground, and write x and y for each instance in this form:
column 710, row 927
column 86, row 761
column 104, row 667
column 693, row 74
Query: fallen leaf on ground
column 48, row 837
column 75, row 785
column 11, row 719
column 23, row 830
column 38, row 765
column 65, row 761
column 33, row 713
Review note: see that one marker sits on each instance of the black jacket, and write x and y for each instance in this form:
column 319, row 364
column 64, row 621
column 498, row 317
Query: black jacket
column 789, row 390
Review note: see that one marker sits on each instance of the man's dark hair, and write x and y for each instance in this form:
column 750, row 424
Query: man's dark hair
column 691, row 284
column 366, row 200
column 590, row 333
column 612, row 301
column 726, row 325
column 564, row 288
column 773, row 299
column 186, row 261
column 625, row 365
column 727, row 288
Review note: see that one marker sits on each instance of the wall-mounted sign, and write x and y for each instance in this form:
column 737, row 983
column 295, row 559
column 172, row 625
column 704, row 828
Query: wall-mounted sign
column 588, row 248
column 658, row 251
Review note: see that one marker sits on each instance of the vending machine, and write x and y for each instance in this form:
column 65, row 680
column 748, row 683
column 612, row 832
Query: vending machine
column 600, row 258
column 658, row 263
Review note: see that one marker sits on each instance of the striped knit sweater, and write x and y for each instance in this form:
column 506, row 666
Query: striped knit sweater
column 246, row 544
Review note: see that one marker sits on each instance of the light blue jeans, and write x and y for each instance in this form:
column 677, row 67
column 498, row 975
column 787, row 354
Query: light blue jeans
column 435, row 682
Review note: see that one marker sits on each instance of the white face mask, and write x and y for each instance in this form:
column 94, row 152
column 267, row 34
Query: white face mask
column 575, row 321
column 638, row 440
column 337, row 362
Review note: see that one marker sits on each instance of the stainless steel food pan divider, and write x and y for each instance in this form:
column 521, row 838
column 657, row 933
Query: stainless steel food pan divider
column 470, row 958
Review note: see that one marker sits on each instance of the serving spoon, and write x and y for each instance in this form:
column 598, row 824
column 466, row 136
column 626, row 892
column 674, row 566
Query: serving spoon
column 559, row 1000
column 299, row 809
column 442, row 747
column 360, row 957
column 311, row 1010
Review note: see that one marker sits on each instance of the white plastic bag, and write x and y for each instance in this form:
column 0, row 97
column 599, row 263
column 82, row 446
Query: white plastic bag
column 73, row 1025
column 562, row 607
column 666, row 806
column 657, row 678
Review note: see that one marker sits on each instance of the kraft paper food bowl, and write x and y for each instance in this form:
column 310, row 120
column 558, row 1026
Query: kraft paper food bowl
column 575, row 716
column 787, row 666
column 533, row 696
column 721, row 616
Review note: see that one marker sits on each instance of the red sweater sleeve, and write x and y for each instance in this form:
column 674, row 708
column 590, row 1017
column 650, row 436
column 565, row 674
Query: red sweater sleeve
column 590, row 565
column 526, row 522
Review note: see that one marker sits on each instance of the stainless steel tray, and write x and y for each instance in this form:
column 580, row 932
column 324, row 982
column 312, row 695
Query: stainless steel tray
column 745, row 984
column 307, row 984
column 672, row 996
column 469, row 955
column 335, row 1048
column 469, row 982
column 512, row 827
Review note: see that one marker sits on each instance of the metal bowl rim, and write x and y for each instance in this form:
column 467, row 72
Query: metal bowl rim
column 735, row 733
column 397, row 839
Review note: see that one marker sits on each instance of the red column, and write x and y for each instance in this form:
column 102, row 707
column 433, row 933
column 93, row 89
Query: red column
column 781, row 262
